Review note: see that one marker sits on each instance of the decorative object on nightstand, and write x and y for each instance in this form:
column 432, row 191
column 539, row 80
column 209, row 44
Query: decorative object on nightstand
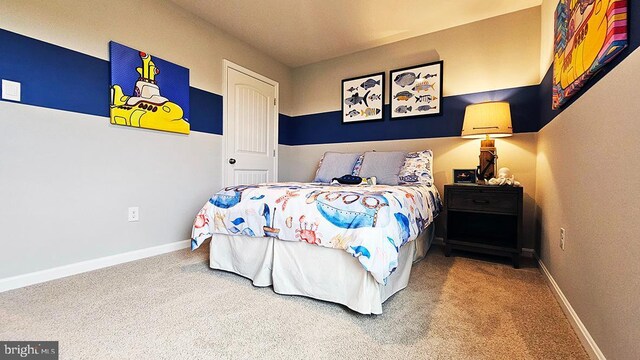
column 464, row 176
column 484, row 218
column 487, row 120
column 505, row 178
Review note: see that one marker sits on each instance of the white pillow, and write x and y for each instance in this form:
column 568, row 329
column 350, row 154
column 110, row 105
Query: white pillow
column 335, row 165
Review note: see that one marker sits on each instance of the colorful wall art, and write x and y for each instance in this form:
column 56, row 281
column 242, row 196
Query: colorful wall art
column 416, row 90
column 148, row 92
column 588, row 34
column 362, row 98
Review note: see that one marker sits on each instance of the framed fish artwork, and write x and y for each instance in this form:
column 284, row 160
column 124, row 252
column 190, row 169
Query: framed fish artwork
column 416, row 91
column 362, row 98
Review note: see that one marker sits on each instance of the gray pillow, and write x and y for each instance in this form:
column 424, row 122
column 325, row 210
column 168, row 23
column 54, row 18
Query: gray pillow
column 384, row 165
column 335, row 165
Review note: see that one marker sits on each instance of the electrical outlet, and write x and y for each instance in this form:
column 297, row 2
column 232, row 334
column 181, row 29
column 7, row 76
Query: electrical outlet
column 563, row 237
column 134, row 214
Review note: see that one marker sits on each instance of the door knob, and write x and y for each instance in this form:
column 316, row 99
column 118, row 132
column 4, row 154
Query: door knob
column 232, row 161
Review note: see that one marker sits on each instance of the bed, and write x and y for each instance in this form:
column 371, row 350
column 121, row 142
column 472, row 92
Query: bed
column 349, row 244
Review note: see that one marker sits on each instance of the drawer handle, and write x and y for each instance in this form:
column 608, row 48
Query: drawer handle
column 481, row 201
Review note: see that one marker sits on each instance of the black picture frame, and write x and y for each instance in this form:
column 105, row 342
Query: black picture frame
column 395, row 88
column 362, row 107
column 464, row 176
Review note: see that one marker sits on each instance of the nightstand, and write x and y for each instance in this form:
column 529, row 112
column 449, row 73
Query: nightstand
column 484, row 218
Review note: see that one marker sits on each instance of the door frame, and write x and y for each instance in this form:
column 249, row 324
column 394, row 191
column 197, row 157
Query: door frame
column 226, row 65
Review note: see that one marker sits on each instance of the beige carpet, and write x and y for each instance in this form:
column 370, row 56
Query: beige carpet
column 174, row 307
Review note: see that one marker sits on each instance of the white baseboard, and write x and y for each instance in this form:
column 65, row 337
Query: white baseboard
column 88, row 265
column 583, row 334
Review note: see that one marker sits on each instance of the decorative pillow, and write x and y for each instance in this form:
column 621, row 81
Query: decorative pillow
column 334, row 165
column 384, row 165
column 357, row 166
column 417, row 168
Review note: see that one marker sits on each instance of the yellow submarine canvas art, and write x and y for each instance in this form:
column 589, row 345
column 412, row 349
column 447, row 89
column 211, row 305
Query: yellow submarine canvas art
column 588, row 34
column 148, row 92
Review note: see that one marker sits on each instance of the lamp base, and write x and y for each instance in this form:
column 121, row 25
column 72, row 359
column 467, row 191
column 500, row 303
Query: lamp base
column 488, row 159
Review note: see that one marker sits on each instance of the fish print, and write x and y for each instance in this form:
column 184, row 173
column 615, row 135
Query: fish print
column 370, row 112
column 403, row 109
column 373, row 97
column 423, row 86
column 369, row 84
column 352, row 89
column 393, row 244
column 403, row 96
column 403, row 222
column 426, row 107
column 360, row 250
column 429, row 76
column 406, row 78
column 356, row 99
column 426, row 98
column 353, row 113
column 226, row 201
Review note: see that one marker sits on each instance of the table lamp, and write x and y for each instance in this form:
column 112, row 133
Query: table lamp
column 484, row 121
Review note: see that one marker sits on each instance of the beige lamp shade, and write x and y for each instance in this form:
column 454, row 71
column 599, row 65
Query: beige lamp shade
column 489, row 118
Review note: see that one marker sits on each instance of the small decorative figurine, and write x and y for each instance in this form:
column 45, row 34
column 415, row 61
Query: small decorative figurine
column 505, row 178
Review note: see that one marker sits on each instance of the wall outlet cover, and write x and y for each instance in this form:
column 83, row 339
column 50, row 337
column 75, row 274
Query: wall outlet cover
column 134, row 213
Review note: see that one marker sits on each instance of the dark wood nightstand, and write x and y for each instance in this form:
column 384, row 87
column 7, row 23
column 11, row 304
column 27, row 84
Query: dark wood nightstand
column 484, row 218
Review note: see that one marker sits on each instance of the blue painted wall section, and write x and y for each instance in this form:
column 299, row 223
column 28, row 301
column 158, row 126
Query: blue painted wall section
column 206, row 111
column 328, row 128
column 58, row 78
column 55, row 77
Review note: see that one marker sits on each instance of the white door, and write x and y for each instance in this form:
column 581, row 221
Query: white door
column 250, row 127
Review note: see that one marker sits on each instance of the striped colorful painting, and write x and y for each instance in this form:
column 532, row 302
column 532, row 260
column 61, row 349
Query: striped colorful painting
column 588, row 34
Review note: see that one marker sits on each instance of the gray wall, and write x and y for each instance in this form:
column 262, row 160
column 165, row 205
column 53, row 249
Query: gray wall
column 587, row 182
column 67, row 179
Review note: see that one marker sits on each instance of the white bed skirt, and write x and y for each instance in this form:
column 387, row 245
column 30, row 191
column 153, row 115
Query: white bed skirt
column 297, row 268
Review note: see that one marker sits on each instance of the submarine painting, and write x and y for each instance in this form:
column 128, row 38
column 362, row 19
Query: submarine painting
column 588, row 34
column 148, row 92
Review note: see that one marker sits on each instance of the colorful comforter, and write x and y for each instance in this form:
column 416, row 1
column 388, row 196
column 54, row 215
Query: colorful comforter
column 369, row 222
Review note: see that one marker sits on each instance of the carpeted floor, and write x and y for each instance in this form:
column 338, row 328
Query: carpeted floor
column 174, row 307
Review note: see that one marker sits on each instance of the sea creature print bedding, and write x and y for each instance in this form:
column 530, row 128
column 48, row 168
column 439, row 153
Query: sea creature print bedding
column 369, row 222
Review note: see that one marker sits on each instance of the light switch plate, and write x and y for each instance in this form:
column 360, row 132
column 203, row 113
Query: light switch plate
column 10, row 90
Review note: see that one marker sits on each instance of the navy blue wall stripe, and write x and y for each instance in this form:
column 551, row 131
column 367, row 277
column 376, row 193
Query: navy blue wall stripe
column 206, row 111
column 328, row 127
column 55, row 77
column 58, row 78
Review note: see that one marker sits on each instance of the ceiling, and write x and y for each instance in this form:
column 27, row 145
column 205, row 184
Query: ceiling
column 301, row 32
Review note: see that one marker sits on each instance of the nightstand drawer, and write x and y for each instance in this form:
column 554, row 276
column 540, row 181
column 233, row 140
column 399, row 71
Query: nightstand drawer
column 484, row 201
